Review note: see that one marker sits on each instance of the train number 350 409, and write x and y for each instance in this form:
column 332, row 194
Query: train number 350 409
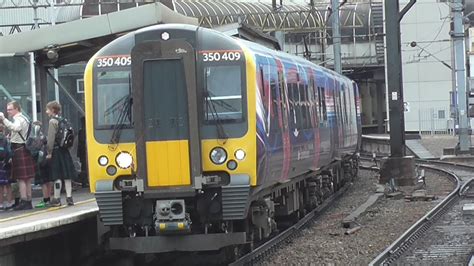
column 220, row 56
column 114, row 61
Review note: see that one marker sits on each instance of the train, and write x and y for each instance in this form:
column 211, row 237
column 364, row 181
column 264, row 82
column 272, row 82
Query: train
column 198, row 141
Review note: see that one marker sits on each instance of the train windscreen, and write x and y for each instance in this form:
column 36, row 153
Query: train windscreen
column 223, row 102
column 113, row 99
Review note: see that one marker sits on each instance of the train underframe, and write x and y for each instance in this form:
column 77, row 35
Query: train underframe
column 195, row 223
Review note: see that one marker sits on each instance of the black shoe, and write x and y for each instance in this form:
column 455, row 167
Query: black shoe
column 28, row 205
column 23, row 205
column 69, row 201
column 55, row 202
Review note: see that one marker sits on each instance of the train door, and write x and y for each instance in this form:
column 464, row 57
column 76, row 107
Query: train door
column 168, row 149
column 284, row 108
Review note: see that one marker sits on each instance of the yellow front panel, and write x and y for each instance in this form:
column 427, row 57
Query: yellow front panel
column 248, row 166
column 168, row 163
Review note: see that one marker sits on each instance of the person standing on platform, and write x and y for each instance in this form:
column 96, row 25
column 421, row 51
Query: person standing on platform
column 23, row 165
column 42, row 171
column 5, row 172
column 62, row 166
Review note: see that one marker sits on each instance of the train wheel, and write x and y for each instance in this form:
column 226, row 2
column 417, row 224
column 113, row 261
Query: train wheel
column 302, row 209
column 355, row 168
column 233, row 253
column 312, row 195
column 252, row 235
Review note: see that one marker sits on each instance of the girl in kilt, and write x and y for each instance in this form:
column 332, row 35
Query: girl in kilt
column 5, row 172
column 62, row 166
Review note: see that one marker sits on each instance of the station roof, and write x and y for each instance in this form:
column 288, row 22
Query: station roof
column 78, row 40
column 289, row 17
column 247, row 32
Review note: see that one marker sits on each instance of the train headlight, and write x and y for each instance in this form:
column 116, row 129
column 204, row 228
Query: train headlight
column 240, row 154
column 218, row 155
column 103, row 160
column 124, row 160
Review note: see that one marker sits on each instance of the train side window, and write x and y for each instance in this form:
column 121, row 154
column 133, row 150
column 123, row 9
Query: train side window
column 311, row 100
column 308, row 106
column 262, row 83
column 320, row 112
column 341, row 104
column 298, row 105
column 305, row 105
column 274, row 99
column 266, row 100
column 323, row 104
column 342, row 107
column 283, row 98
column 346, row 104
column 292, row 102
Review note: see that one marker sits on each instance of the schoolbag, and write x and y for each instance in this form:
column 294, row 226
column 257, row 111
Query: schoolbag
column 35, row 140
column 65, row 134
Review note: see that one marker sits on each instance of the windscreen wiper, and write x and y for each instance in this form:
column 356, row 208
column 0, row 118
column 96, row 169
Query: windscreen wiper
column 215, row 116
column 125, row 114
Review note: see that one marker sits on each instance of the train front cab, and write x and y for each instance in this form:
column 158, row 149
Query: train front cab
column 195, row 148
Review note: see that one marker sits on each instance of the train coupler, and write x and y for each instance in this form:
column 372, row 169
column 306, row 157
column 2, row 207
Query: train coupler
column 173, row 227
column 171, row 217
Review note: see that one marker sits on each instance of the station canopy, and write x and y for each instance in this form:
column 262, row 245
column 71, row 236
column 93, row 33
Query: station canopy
column 78, row 40
column 261, row 15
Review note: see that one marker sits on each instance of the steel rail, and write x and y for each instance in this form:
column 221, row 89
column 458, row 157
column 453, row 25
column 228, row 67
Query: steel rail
column 402, row 244
column 265, row 249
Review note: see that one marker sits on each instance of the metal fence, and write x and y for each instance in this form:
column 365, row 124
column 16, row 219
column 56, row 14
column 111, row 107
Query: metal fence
column 435, row 121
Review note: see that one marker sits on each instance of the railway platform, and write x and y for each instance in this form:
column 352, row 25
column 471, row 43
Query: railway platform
column 424, row 147
column 26, row 225
column 65, row 235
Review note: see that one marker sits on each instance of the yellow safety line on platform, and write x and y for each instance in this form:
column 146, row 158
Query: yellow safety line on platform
column 43, row 211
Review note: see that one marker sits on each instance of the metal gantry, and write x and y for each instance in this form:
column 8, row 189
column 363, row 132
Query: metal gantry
column 288, row 18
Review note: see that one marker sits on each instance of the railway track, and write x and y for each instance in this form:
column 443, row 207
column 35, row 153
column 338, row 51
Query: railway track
column 261, row 252
column 266, row 250
column 442, row 236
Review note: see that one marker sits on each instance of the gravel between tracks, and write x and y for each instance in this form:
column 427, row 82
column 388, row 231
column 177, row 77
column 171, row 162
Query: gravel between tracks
column 324, row 241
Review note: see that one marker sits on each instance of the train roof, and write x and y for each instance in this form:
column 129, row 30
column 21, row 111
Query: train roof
column 262, row 50
column 124, row 44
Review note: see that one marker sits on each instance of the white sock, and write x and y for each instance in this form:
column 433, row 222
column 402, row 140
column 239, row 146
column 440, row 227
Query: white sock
column 68, row 184
column 57, row 189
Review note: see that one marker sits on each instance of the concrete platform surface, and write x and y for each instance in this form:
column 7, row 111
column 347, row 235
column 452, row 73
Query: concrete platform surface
column 434, row 144
column 19, row 223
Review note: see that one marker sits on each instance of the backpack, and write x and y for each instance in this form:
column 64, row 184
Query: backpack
column 65, row 134
column 35, row 141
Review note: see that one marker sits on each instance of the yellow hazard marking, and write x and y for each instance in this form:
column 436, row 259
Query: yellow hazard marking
column 43, row 211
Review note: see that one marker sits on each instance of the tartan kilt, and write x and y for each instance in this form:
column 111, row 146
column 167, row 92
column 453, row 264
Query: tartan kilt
column 42, row 172
column 23, row 165
column 62, row 166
